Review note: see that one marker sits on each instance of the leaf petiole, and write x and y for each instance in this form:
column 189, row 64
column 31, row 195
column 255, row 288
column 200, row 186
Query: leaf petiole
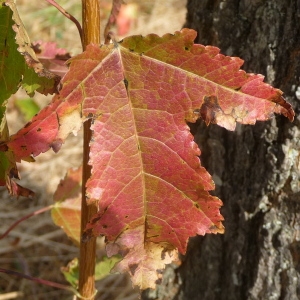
column 69, row 16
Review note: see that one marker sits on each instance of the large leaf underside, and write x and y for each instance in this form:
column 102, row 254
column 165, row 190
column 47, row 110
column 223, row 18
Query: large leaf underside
column 146, row 173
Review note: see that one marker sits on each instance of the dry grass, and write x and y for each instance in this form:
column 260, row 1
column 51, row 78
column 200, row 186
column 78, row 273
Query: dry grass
column 37, row 247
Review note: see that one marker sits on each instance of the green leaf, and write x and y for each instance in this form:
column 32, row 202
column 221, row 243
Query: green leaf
column 104, row 266
column 18, row 62
column 102, row 269
column 71, row 272
column 11, row 61
column 28, row 107
column 18, row 67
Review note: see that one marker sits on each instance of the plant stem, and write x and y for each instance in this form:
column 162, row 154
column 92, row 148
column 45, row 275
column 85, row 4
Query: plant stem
column 90, row 22
column 87, row 259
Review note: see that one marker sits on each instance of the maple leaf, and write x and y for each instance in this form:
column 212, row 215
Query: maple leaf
column 146, row 173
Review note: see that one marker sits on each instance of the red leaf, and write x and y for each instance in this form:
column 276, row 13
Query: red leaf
column 53, row 58
column 126, row 18
column 146, row 174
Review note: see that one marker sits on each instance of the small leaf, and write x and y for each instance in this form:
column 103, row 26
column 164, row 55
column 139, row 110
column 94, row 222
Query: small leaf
column 67, row 209
column 53, row 58
column 102, row 269
column 105, row 265
column 28, row 107
column 127, row 16
column 71, row 272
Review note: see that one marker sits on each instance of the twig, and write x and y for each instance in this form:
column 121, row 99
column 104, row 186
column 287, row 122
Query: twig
column 116, row 6
column 69, row 16
column 39, row 280
column 25, row 218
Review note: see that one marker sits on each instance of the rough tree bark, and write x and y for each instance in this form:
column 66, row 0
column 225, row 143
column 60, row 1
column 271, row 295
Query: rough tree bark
column 256, row 168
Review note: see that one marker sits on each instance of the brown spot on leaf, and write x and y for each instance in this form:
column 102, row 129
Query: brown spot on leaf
column 213, row 227
column 29, row 60
column 3, row 147
column 209, row 109
column 133, row 268
column 126, row 83
column 95, row 220
column 56, row 145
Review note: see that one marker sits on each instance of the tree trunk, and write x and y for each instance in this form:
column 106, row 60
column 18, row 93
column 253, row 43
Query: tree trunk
column 255, row 168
